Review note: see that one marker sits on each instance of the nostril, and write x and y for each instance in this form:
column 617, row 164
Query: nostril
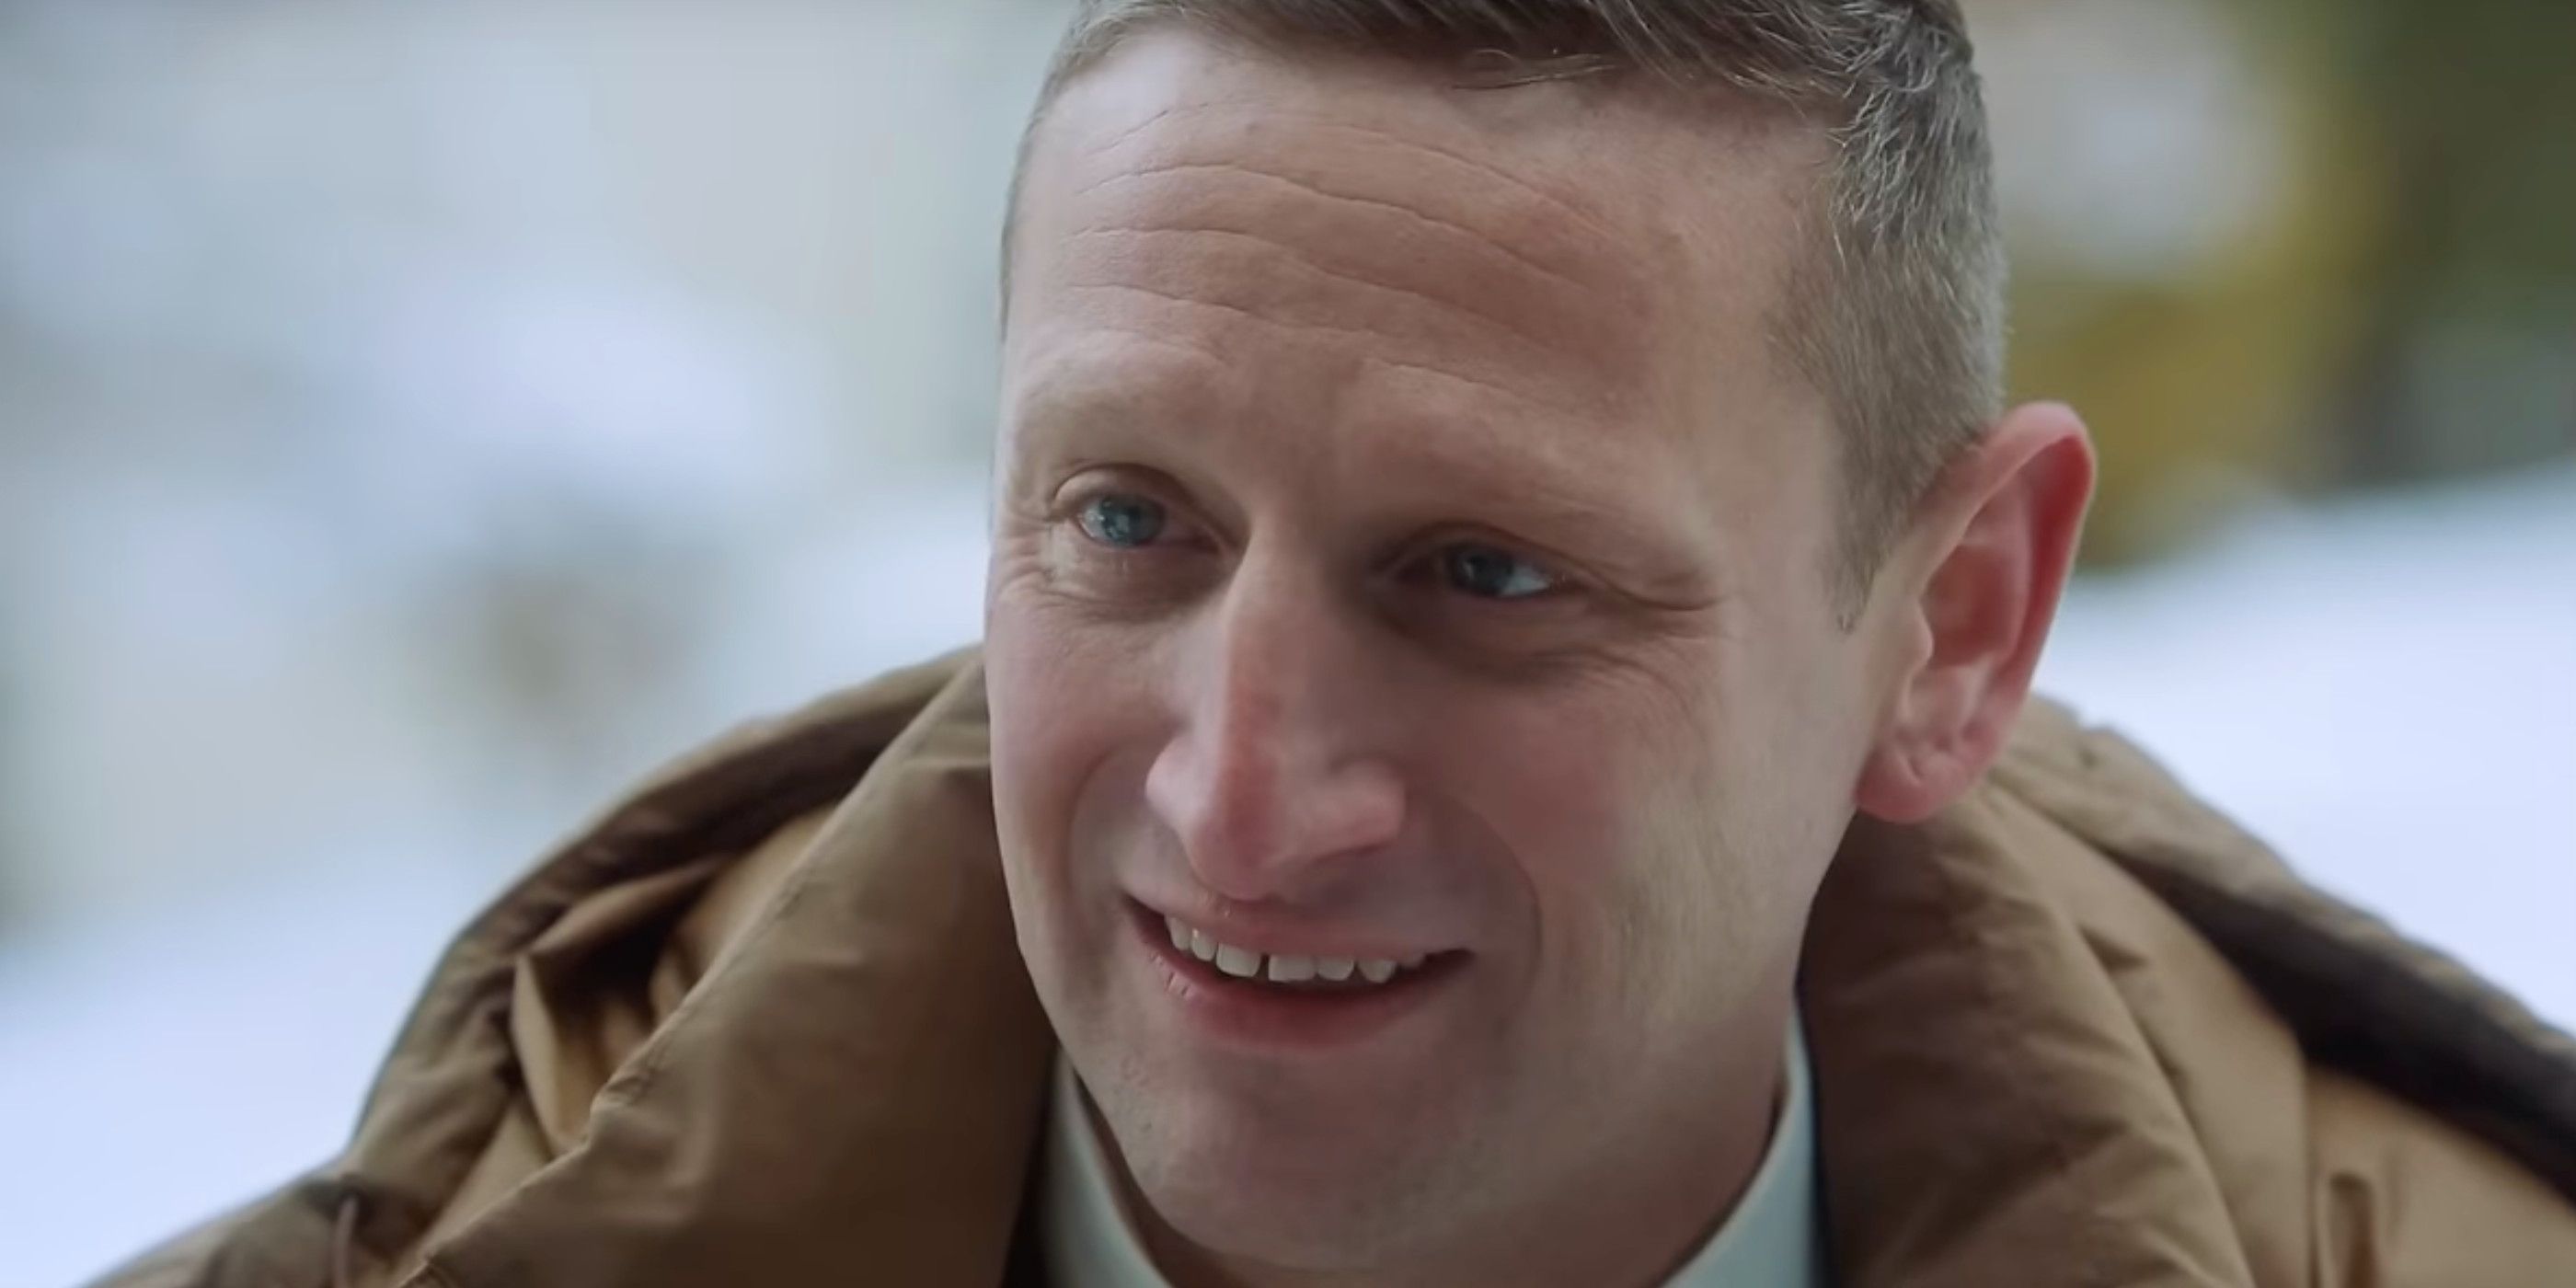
column 1221, row 805
column 1255, row 826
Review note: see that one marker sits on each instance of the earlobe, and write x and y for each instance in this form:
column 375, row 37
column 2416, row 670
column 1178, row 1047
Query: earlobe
column 2003, row 530
column 1907, row 780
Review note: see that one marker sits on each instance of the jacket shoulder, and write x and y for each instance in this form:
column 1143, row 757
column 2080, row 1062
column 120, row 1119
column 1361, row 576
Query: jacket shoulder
column 449, row 1122
column 2434, row 1114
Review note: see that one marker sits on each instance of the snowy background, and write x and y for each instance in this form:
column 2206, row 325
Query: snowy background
column 417, row 421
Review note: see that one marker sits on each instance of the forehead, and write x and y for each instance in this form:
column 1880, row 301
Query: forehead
column 1579, row 250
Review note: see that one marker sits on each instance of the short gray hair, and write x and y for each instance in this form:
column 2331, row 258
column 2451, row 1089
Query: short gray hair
column 1895, row 315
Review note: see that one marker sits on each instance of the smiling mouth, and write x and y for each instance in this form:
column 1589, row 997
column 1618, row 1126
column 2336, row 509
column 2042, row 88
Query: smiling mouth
column 1212, row 959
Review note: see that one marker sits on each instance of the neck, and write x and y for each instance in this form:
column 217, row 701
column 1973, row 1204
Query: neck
column 1652, row 1199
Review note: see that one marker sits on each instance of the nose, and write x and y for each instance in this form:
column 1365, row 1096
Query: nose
column 1270, row 781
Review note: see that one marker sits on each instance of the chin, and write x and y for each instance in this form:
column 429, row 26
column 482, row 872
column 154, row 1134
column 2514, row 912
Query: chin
column 1258, row 1184
column 1306, row 1224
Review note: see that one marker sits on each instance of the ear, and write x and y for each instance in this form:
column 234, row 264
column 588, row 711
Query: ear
column 1988, row 557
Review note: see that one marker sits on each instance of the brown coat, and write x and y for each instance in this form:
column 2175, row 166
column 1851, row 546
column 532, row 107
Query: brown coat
column 764, row 1023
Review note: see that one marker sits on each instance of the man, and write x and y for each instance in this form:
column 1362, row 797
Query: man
column 1511, row 591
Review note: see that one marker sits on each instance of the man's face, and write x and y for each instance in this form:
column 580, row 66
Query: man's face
column 1410, row 549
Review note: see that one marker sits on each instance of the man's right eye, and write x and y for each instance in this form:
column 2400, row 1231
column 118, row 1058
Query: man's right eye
column 1120, row 521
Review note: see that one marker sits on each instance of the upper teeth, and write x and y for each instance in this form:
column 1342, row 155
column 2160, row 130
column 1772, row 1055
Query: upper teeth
column 1284, row 968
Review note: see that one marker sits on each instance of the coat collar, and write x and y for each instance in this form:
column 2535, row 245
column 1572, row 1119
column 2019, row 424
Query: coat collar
column 849, row 1088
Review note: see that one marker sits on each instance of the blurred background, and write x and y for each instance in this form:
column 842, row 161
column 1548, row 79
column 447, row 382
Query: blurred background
column 417, row 420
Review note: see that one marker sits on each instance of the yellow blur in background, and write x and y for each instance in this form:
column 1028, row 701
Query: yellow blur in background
column 415, row 421
column 2272, row 245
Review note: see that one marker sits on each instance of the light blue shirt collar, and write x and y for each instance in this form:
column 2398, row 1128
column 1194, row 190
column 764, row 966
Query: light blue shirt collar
column 1770, row 1240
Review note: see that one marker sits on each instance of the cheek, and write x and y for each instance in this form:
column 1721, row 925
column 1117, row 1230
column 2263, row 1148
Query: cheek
column 1598, row 799
column 1633, row 821
column 1064, row 702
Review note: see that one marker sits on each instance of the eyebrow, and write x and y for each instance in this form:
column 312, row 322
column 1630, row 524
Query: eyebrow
column 1076, row 391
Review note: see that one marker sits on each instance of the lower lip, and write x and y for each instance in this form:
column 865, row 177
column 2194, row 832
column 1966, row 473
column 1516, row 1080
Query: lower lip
column 1242, row 1012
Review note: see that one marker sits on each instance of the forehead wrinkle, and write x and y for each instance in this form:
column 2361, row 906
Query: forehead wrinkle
column 1518, row 334
column 1572, row 241
column 1087, row 378
column 1464, row 161
column 1374, row 357
column 1315, row 188
column 1474, row 385
column 1446, row 261
column 1102, row 147
column 1590, row 220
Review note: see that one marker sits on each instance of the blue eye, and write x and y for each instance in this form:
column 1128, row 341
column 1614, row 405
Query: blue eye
column 1121, row 521
column 1488, row 573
